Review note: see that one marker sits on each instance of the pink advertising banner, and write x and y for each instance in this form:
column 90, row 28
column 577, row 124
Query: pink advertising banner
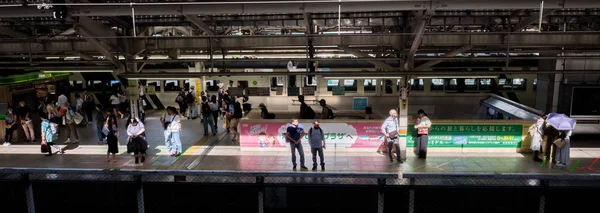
column 340, row 135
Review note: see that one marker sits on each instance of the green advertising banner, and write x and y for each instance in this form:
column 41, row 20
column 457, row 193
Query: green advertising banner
column 471, row 135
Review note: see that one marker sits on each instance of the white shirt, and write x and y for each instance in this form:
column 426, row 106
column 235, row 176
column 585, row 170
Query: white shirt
column 62, row 99
column 132, row 130
column 114, row 100
column 423, row 122
column 175, row 124
column 141, row 90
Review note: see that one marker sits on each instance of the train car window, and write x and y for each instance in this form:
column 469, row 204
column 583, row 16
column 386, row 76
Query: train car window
column 332, row 83
column 437, row 84
column 212, row 85
column 451, row 84
column 350, row 85
column 276, row 82
column 155, row 84
column 485, row 84
column 76, row 85
column 470, row 84
column 519, row 84
column 314, row 81
column 171, row 85
column 534, row 84
column 417, row 85
column 186, row 84
column 370, row 85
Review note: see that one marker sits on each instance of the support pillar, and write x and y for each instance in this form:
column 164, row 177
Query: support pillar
column 134, row 97
column 403, row 115
column 28, row 193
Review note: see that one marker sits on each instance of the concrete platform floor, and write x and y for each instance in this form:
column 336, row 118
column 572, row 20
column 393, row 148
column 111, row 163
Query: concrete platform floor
column 221, row 153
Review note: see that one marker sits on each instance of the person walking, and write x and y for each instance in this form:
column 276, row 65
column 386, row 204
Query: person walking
column 389, row 128
column 9, row 126
column 71, row 124
column 112, row 137
column 89, row 106
column 24, row 114
column 422, row 126
column 207, row 119
column 316, row 139
column 236, row 117
column 294, row 134
column 101, row 117
column 214, row 107
column 50, row 135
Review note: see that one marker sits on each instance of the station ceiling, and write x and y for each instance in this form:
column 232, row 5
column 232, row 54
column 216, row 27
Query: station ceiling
column 388, row 35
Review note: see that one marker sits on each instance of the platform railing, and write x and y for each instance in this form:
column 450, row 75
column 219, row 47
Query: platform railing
column 389, row 191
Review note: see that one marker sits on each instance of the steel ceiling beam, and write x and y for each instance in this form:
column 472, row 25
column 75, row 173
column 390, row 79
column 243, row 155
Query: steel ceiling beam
column 534, row 18
column 422, row 20
column 568, row 40
column 342, row 74
column 199, row 24
column 450, row 54
column 378, row 64
column 13, row 33
column 88, row 36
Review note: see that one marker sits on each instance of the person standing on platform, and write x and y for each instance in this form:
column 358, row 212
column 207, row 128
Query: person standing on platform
column 422, row 126
column 191, row 101
column 89, row 106
column 62, row 99
column 563, row 154
column 116, row 104
column 9, row 125
column 180, row 100
column 172, row 125
column 112, row 137
column 390, row 129
column 236, row 117
column 24, row 113
column 207, row 119
column 294, row 135
column 214, row 107
column 306, row 112
column 325, row 114
column 316, row 139
column 135, row 132
column 549, row 147
column 536, row 131
column 101, row 117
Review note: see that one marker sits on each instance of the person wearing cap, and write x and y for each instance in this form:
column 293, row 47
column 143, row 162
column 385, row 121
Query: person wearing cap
column 422, row 126
column 135, row 131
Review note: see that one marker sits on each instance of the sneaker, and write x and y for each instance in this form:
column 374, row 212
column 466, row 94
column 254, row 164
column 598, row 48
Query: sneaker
column 303, row 168
column 5, row 144
column 77, row 141
column 68, row 141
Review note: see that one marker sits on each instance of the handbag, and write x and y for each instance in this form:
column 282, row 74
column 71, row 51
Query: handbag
column 393, row 135
column 78, row 118
column 44, row 147
column 560, row 143
column 130, row 146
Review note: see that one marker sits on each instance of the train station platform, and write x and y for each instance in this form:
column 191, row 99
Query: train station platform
column 221, row 153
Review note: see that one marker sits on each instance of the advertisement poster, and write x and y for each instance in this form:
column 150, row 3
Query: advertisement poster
column 368, row 135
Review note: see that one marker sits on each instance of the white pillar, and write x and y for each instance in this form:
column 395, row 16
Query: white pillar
column 403, row 115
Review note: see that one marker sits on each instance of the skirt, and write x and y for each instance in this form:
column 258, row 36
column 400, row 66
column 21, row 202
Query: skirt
column 113, row 144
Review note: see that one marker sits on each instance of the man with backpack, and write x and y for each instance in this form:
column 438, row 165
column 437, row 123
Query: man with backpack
column 191, row 101
column 326, row 113
column 306, row 112
column 316, row 139
column 207, row 118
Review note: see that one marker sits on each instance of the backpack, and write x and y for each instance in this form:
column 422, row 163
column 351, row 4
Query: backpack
column 330, row 113
column 51, row 130
column 178, row 99
column 190, row 98
column 206, row 110
column 309, row 113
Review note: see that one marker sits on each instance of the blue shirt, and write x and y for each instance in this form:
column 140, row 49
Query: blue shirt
column 295, row 133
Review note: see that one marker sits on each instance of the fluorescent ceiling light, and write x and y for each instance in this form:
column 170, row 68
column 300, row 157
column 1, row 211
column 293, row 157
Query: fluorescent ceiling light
column 74, row 71
column 459, row 76
column 361, row 77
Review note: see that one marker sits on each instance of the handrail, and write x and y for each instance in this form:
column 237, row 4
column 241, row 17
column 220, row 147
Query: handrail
column 519, row 105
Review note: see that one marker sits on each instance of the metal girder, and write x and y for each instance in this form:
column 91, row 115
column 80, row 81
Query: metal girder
column 418, row 31
column 351, row 74
column 118, row 21
column 89, row 37
column 448, row 55
column 98, row 30
column 448, row 40
column 13, row 33
column 200, row 24
column 218, row 8
column 535, row 17
column 378, row 64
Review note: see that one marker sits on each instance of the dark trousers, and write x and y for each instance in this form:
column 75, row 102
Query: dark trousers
column 391, row 143
column 316, row 151
column 9, row 134
column 215, row 115
column 421, row 149
column 89, row 108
